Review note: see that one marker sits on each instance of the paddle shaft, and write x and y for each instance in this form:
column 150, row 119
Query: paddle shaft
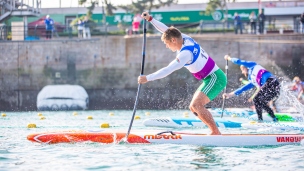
column 225, row 90
column 141, row 73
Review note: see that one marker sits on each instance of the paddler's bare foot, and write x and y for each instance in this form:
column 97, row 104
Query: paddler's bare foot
column 215, row 133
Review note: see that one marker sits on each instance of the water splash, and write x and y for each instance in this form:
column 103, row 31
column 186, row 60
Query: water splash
column 289, row 98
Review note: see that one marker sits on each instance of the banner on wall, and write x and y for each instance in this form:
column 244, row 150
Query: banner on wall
column 176, row 17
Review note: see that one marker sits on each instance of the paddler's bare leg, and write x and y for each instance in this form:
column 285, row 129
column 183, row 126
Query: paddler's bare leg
column 197, row 106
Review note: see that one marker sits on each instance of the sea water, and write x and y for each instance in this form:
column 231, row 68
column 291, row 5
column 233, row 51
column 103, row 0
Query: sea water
column 17, row 153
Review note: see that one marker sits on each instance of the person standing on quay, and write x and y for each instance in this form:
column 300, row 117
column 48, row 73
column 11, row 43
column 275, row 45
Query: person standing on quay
column 237, row 23
column 261, row 22
column 302, row 22
column 252, row 19
column 48, row 26
column 80, row 28
column 86, row 28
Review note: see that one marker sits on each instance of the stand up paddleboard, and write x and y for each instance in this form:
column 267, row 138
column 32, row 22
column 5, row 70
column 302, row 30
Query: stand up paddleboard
column 284, row 117
column 183, row 122
column 239, row 112
column 168, row 137
column 275, row 125
column 217, row 112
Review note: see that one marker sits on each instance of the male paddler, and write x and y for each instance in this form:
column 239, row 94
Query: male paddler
column 269, row 86
column 191, row 56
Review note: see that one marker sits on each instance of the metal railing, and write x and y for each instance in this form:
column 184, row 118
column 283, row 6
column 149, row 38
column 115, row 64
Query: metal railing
column 19, row 8
column 269, row 26
column 39, row 32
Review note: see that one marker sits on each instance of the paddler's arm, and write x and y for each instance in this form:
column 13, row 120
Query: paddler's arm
column 247, row 64
column 180, row 61
column 161, row 27
column 244, row 81
column 238, row 91
column 254, row 94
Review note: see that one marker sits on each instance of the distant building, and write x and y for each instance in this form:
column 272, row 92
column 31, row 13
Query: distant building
column 278, row 14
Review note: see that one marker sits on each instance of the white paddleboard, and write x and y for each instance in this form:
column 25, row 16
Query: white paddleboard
column 168, row 137
column 184, row 122
column 275, row 125
column 284, row 117
column 239, row 112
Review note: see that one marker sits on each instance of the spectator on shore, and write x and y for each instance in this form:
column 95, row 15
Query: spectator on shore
column 135, row 25
column 80, row 28
column 200, row 26
column 252, row 18
column 86, row 28
column 261, row 21
column 302, row 22
column 48, row 26
column 237, row 23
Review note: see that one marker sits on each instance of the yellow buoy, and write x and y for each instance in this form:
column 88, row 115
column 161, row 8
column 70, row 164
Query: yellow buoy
column 111, row 114
column 147, row 113
column 42, row 118
column 75, row 113
column 89, row 117
column 253, row 122
column 137, row 117
column 39, row 114
column 3, row 115
column 233, row 115
column 104, row 125
column 186, row 114
column 31, row 125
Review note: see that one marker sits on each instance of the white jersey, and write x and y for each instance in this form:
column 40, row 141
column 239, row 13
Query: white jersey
column 256, row 75
column 191, row 56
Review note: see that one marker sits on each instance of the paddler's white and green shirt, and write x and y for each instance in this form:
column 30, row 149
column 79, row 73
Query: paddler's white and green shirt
column 197, row 61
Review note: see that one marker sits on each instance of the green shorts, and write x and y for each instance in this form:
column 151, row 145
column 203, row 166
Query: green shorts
column 213, row 84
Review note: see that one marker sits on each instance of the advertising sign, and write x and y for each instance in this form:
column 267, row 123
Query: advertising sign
column 177, row 17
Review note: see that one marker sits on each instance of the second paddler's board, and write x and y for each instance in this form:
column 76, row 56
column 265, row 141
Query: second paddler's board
column 183, row 122
column 246, row 112
column 168, row 137
column 275, row 125
column 285, row 117
column 240, row 112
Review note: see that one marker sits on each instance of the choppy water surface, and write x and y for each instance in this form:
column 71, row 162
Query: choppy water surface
column 17, row 153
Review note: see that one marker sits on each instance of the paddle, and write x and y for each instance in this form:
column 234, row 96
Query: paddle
column 141, row 73
column 225, row 91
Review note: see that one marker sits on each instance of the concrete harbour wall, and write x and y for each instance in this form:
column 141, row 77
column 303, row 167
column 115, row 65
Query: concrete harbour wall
column 108, row 67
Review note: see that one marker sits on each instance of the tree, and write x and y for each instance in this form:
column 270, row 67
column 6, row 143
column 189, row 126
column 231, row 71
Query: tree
column 109, row 6
column 142, row 5
column 90, row 8
column 109, row 11
column 215, row 4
